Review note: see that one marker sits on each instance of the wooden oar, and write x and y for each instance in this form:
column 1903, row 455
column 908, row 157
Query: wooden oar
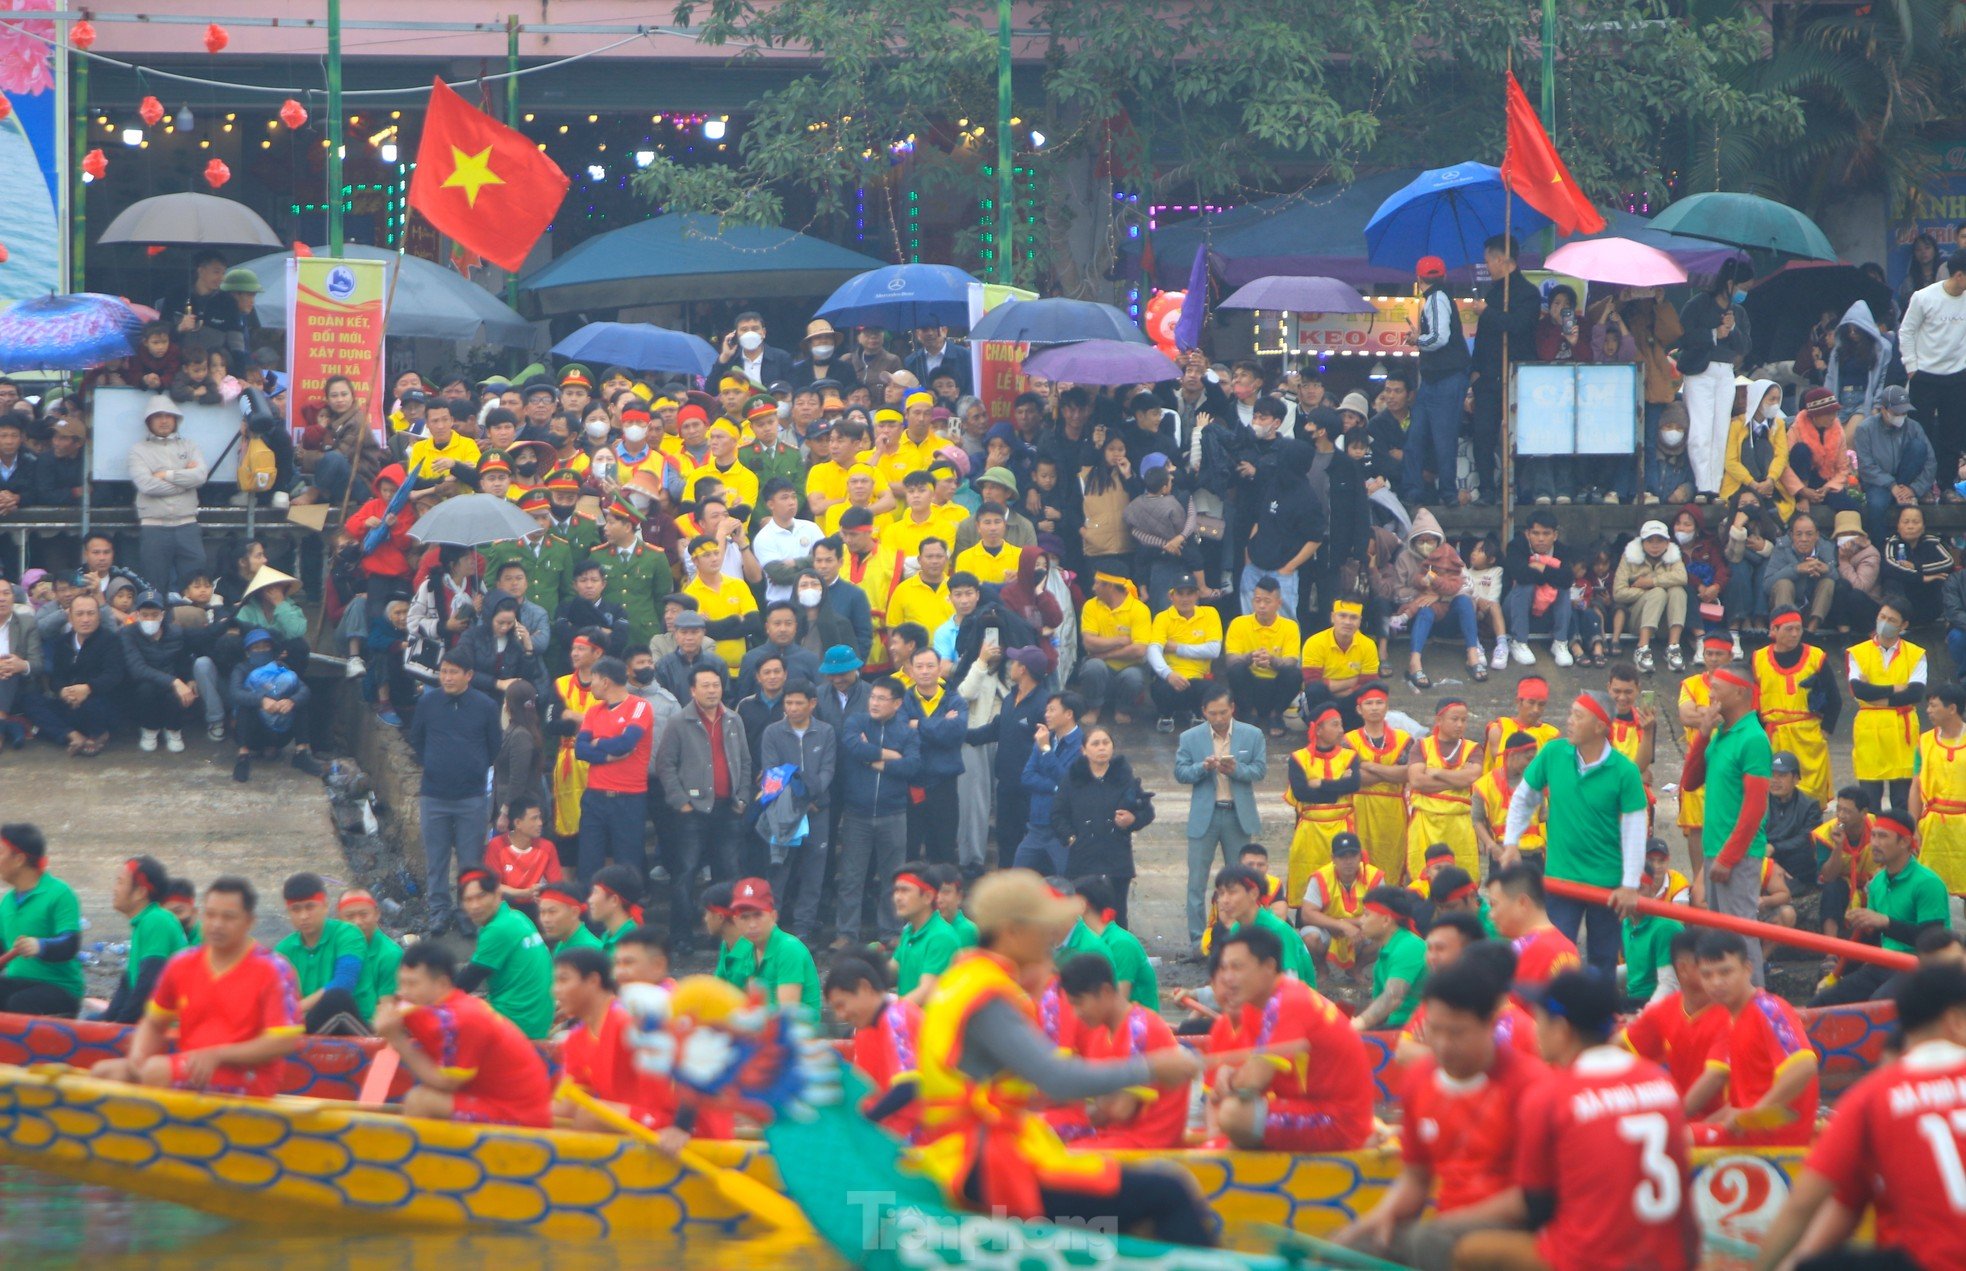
column 1815, row 941
column 747, row 1193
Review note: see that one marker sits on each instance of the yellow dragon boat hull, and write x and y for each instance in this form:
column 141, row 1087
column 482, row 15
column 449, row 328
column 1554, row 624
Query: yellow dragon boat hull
column 305, row 1162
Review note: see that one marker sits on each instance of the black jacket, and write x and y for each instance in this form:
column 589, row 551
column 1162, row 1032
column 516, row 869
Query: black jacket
column 25, row 479
column 1082, row 818
column 489, row 665
column 955, row 361
column 1517, row 572
column 57, row 481
column 457, row 738
column 100, row 662
column 1013, row 730
column 160, row 661
column 1518, row 322
column 775, row 365
column 1697, row 350
column 1348, row 511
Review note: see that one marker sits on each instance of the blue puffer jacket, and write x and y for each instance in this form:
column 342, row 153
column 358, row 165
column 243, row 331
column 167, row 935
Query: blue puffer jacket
column 1045, row 769
column 864, row 790
column 941, row 736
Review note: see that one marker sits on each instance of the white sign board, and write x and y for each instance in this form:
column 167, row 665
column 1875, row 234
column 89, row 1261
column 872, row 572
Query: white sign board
column 1571, row 408
column 118, row 420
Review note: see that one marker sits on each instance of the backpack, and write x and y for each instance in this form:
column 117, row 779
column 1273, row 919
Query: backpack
column 257, row 467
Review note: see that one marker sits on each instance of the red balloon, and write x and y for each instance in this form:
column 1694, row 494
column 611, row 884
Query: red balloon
column 6, row 106
column 3, row 253
column 217, row 174
column 95, row 163
column 216, row 38
column 293, row 114
column 1162, row 313
column 150, row 110
column 82, row 34
column 302, row 249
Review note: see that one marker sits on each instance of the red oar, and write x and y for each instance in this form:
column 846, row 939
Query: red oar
column 1748, row 927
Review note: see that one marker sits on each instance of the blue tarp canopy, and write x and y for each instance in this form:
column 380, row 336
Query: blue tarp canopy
column 681, row 257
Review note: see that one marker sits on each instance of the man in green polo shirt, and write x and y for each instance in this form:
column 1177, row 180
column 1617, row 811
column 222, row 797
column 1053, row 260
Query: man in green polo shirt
column 381, row 955
column 563, row 917
column 615, row 902
column 511, row 961
column 155, row 934
column 1133, row 972
column 734, row 958
column 927, row 944
column 949, row 903
column 1905, row 899
column 781, row 964
column 40, row 930
column 1732, row 761
column 1400, row 965
column 1596, row 825
column 1648, row 947
column 326, row 955
column 1239, row 892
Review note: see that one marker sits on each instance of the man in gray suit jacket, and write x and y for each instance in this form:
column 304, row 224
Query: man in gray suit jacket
column 1222, row 759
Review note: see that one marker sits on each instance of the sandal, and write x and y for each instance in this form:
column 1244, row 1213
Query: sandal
column 1478, row 671
column 77, row 747
column 1419, row 681
column 90, row 749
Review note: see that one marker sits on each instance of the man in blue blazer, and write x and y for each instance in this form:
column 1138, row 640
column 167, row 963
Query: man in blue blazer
column 1222, row 758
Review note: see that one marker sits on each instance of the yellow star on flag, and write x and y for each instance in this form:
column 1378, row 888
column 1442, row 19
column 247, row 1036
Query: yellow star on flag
column 471, row 173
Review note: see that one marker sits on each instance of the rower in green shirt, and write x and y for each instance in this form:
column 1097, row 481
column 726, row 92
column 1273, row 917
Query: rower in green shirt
column 615, row 902
column 1239, row 892
column 325, row 953
column 180, row 898
column 780, row 961
column 511, row 960
column 1905, row 898
column 1131, row 969
column 562, row 917
column 1401, row 963
column 948, row 882
column 40, row 927
column 927, row 944
column 381, row 955
column 155, row 934
column 1648, row 947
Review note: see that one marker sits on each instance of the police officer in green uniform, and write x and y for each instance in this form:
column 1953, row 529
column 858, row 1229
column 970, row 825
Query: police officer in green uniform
column 547, row 558
column 638, row 575
column 578, row 532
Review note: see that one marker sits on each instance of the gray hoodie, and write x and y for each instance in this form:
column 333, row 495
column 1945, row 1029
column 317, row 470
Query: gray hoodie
column 1858, row 315
column 167, row 472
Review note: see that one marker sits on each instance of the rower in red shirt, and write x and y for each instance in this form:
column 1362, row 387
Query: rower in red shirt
column 1678, row 1032
column 470, row 1063
column 1112, row 1027
column 1602, row 1175
column 235, row 1005
column 1764, row 1062
column 1458, row 1133
column 1896, row 1143
column 885, row 1030
column 1287, row 1072
column 520, row 859
column 641, row 956
column 1453, row 938
column 1516, row 905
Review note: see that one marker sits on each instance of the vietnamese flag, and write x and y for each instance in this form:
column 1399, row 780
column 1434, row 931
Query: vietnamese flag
column 1533, row 169
column 482, row 183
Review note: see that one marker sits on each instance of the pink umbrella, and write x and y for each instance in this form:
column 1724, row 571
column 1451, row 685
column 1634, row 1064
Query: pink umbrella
column 1619, row 261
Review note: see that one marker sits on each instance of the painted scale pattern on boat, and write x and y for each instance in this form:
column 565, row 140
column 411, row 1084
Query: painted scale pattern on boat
column 293, row 1163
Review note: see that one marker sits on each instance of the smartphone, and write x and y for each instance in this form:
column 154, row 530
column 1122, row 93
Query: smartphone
column 1648, row 698
column 991, row 639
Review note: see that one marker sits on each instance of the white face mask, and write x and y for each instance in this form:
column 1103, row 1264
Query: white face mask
column 1672, row 437
column 1685, row 537
column 634, row 434
column 597, row 428
column 821, row 352
column 150, row 626
column 638, row 500
column 809, row 596
column 750, row 341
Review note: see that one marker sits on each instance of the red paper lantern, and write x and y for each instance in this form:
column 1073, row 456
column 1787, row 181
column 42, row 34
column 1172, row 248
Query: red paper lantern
column 95, row 164
column 302, row 249
column 293, row 114
column 217, row 174
column 150, row 110
column 155, row 249
column 216, row 38
column 6, row 106
column 82, row 34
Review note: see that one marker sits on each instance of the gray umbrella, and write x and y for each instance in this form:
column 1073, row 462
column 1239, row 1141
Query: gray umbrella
column 190, row 220
column 430, row 301
column 473, row 520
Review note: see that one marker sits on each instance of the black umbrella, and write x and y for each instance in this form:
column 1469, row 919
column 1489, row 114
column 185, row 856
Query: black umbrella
column 1784, row 305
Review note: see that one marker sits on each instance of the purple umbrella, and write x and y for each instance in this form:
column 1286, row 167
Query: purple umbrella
column 1298, row 295
column 1103, row 362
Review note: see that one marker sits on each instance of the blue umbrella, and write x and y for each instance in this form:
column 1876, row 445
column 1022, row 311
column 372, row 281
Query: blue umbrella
column 1446, row 212
column 640, row 346
column 902, row 297
column 67, row 333
column 397, row 501
column 1056, row 322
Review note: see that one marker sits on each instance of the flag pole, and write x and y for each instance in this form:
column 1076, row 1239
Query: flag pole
column 1508, row 221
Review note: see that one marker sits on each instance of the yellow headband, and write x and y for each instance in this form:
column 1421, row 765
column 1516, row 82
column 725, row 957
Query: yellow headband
column 706, row 549
column 887, row 415
column 918, row 398
column 642, row 391
column 733, row 381
column 725, row 426
column 1347, row 606
column 1115, row 580
column 662, row 403
column 863, row 470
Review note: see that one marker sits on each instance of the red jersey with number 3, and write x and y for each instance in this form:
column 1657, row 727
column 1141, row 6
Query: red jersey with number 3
column 1465, row 1131
column 1897, row 1141
column 1665, row 1034
column 1607, row 1138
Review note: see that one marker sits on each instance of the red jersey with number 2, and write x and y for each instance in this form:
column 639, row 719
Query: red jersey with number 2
column 1607, row 1137
column 1897, row 1141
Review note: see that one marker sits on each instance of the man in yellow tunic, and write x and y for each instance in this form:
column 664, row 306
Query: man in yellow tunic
column 1492, row 793
column 1799, row 701
column 1887, row 677
column 725, row 603
column 1323, row 778
column 1439, row 780
column 575, row 699
column 1333, row 900
column 1532, row 698
column 1938, row 790
column 1380, row 804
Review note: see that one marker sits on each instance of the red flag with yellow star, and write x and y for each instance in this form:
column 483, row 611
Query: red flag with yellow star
column 482, row 183
column 1533, row 169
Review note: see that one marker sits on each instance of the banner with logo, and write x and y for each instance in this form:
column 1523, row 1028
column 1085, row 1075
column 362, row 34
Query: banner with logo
column 996, row 366
column 334, row 327
column 1938, row 209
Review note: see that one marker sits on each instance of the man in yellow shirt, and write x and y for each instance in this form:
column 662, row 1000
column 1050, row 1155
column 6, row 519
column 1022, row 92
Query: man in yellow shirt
column 888, row 456
column 992, row 560
column 918, row 439
column 904, row 535
column 826, row 480
column 726, row 604
column 861, row 484
column 1338, row 661
column 1182, row 646
column 924, row 599
column 740, row 483
column 1114, row 626
column 1260, row 652
column 441, row 449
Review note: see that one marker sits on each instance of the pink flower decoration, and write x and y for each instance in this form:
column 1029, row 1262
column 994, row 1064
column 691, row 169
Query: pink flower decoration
column 26, row 66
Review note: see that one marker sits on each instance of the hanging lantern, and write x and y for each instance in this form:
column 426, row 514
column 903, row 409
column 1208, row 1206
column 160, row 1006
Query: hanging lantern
column 150, row 110
column 302, row 250
column 216, row 38
column 293, row 114
column 82, row 35
column 95, row 164
column 217, row 174
column 3, row 253
column 155, row 249
column 185, row 121
column 6, row 106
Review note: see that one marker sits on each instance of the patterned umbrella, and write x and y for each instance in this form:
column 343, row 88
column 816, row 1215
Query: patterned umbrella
column 67, row 333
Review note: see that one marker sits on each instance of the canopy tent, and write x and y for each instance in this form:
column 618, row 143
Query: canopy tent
column 681, row 257
column 429, row 302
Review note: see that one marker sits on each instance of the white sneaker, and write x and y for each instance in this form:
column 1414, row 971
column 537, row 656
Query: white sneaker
column 147, row 739
column 174, row 741
column 1501, row 658
column 1643, row 659
column 1543, row 500
column 1611, row 498
column 1738, row 655
column 356, row 668
column 215, row 732
column 281, row 500
column 1522, row 653
column 1648, row 499
column 1560, row 654
column 1561, row 498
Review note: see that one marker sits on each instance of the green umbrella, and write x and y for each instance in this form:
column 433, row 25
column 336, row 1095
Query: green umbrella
column 1746, row 220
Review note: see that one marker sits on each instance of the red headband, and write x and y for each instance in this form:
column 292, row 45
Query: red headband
column 1723, row 641
column 1462, row 892
column 1385, row 911
column 1887, row 821
column 1533, row 689
column 1783, row 619
column 915, row 880
column 1320, row 717
column 301, row 900
column 1369, row 694
column 1730, row 677
column 1592, row 705
column 634, row 911
column 356, row 897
